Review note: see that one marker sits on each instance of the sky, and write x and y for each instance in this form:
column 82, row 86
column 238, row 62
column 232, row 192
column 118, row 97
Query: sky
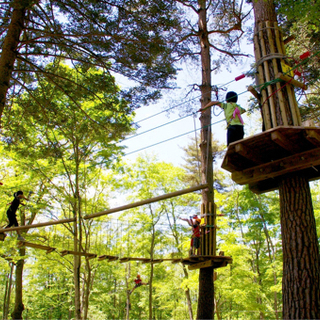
column 164, row 142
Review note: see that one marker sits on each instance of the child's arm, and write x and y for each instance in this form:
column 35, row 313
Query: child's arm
column 211, row 103
column 187, row 220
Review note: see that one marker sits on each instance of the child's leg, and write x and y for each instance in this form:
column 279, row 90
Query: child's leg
column 234, row 133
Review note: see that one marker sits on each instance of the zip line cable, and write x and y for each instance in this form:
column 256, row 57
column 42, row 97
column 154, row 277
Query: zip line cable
column 305, row 57
column 172, row 138
column 170, row 122
column 166, row 123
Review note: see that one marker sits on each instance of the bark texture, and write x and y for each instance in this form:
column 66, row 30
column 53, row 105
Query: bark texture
column 206, row 287
column 301, row 277
column 18, row 305
column 206, row 294
column 9, row 48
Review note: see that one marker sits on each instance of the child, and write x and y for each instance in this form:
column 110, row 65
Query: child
column 138, row 283
column 195, row 238
column 232, row 113
column 11, row 212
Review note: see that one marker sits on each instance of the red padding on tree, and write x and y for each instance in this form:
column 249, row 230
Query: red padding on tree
column 305, row 55
column 239, row 77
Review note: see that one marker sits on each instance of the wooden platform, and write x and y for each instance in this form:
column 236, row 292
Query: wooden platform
column 198, row 262
column 261, row 159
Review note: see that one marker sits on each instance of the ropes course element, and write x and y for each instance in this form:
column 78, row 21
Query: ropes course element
column 193, row 262
column 143, row 202
column 179, row 136
column 38, row 225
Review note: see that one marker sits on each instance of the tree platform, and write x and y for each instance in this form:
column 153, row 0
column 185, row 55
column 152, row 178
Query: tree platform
column 198, row 262
column 260, row 160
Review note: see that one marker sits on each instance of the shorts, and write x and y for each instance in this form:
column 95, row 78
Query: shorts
column 234, row 133
column 12, row 219
column 196, row 242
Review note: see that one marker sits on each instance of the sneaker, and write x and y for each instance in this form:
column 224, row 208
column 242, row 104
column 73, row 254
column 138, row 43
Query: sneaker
column 21, row 238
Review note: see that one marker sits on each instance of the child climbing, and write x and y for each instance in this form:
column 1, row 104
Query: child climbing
column 138, row 283
column 194, row 222
column 11, row 212
column 232, row 113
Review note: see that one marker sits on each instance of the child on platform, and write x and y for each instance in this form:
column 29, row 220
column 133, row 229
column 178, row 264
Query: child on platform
column 232, row 113
column 194, row 222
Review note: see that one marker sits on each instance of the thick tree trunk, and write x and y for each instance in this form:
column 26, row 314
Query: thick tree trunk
column 18, row 305
column 301, row 277
column 206, row 294
column 9, row 48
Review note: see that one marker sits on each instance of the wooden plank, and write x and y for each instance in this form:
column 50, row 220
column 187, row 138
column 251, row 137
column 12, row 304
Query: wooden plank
column 228, row 164
column 38, row 225
column 143, row 202
column 292, row 81
column 277, row 168
column 203, row 264
column 77, row 253
column 283, row 142
column 313, row 137
column 153, row 261
column 109, row 258
column 255, row 93
column 247, row 153
column 176, row 261
column 35, row 246
column 274, row 50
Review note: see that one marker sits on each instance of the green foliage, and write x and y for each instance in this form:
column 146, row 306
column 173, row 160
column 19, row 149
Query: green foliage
column 138, row 37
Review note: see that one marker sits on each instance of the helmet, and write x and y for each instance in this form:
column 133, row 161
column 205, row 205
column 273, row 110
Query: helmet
column 231, row 96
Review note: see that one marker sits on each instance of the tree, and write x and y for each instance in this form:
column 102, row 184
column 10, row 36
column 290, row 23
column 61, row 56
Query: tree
column 301, row 270
column 231, row 14
column 69, row 142
column 139, row 39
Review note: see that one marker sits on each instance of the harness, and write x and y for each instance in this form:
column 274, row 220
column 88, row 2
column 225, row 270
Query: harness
column 236, row 113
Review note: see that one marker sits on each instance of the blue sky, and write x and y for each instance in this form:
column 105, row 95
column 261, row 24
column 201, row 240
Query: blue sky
column 170, row 151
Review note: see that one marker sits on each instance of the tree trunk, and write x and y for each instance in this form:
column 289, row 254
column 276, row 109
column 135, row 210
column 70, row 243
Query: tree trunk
column 18, row 305
column 128, row 271
column 206, row 288
column 206, row 294
column 186, row 275
column 76, row 272
column 6, row 300
column 187, row 292
column 9, row 48
column 301, row 277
